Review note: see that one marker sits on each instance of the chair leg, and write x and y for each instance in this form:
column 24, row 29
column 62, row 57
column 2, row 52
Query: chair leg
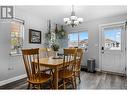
column 51, row 86
column 28, row 87
column 79, row 79
column 73, row 82
column 64, row 84
column 52, row 80
column 39, row 86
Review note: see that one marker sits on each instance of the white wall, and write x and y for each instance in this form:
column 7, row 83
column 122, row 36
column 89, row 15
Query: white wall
column 15, row 63
column 40, row 23
column 93, row 31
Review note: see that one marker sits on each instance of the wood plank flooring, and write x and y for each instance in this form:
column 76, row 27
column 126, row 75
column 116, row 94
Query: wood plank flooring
column 88, row 81
column 102, row 81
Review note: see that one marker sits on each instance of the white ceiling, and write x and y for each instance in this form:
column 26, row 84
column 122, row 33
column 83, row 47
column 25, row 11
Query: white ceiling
column 57, row 13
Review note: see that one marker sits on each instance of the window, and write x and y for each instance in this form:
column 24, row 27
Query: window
column 78, row 39
column 113, row 38
column 17, row 30
column 73, row 40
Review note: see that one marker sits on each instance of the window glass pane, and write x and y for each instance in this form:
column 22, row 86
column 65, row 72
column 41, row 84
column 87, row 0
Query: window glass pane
column 79, row 39
column 73, row 40
column 83, row 40
column 17, row 30
column 113, row 38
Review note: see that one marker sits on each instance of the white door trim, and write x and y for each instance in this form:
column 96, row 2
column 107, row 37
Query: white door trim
column 126, row 49
column 100, row 39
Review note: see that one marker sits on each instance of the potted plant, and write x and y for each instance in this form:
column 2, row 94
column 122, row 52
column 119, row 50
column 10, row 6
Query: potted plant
column 55, row 48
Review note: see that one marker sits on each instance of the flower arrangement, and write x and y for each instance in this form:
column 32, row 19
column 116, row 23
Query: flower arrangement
column 55, row 46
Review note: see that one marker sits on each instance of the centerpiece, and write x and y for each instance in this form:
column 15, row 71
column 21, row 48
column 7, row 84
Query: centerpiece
column 55, row 48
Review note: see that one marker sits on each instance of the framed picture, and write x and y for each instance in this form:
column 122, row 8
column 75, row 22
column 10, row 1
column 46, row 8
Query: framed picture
column 34, row 36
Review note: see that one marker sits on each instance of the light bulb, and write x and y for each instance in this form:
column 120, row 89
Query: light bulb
column 80, row 19
column 66, row 19
column 68, row 22
column 73, row 18
column 76, row 22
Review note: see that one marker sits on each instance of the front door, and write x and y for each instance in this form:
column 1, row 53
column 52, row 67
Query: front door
column 112, row 47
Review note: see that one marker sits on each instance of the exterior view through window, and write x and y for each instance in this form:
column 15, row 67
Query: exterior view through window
column 78, row 39
column 113, row 38
column 17, row 30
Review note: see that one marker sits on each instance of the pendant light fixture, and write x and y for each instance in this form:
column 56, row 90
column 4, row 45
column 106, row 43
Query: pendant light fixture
column 73, row 20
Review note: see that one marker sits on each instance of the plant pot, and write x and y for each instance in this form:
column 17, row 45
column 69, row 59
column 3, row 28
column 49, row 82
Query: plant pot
column 55, row 54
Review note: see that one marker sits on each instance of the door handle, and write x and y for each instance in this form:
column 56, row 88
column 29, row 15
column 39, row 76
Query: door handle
column 102, row 49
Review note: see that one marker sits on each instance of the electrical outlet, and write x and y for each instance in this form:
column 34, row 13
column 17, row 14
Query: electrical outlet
column 10, row 68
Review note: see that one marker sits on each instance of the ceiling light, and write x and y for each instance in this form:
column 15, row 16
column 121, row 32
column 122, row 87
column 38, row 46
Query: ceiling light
column 73, row 20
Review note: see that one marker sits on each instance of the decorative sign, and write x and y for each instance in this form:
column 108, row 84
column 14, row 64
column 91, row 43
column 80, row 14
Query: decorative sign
column 7, row 12
column 34, row 36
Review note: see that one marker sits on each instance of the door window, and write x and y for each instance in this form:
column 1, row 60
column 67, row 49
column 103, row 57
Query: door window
column 112, row 38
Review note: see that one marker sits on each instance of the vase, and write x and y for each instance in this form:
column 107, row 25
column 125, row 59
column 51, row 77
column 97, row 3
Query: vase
column 55, row 54
column 18, row 50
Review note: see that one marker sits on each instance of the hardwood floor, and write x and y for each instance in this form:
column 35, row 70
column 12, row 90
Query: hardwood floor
column 88, row 81
column 102, row 81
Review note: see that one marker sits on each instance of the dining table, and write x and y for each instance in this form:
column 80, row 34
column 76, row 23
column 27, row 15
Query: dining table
column 53, row 63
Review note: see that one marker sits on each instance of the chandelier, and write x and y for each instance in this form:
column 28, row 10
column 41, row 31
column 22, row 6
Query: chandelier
column 73, row 20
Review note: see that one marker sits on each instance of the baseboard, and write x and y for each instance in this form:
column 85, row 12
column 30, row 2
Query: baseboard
column 97, row 69
column 114, row 73
column 12, row 79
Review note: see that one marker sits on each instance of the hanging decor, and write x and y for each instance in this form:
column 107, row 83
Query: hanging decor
column 56, row 29
column 48, row 35
column 62, row 33
column 53, row 37
column 73, row 20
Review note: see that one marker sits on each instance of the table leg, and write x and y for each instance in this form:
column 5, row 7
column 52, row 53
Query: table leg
column 56, row 78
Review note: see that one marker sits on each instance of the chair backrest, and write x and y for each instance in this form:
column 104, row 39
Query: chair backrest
column 69, row 58
column 43, row 53
column 30, row 56
column 79, row 57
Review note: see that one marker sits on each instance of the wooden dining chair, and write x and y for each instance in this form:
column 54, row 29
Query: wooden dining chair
column 66, row 73
column 44, row 53
column 77, row 68
column 35, row 78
